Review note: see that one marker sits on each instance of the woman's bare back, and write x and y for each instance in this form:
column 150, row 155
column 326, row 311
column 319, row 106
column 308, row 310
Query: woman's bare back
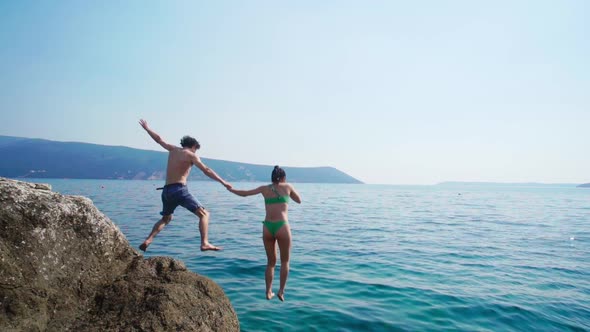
column 277, row 212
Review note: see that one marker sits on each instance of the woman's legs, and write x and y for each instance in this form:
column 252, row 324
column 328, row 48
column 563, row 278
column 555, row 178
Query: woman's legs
column 283, row 237
column 271, row 260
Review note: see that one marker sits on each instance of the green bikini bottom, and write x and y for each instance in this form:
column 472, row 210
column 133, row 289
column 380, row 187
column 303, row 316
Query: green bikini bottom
column 274, row 226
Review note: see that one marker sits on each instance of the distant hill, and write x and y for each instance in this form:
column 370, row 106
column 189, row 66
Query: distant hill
column 39, row 158
column 584, row 185
column 501, row 184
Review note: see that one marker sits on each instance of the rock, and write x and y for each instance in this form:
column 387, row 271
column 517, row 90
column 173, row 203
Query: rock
column 65, row 266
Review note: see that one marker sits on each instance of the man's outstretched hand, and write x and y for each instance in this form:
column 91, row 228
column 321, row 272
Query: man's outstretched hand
column 143, row 124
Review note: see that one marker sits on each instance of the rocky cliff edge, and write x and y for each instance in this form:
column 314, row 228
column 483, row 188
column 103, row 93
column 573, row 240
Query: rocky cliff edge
column 65, row 266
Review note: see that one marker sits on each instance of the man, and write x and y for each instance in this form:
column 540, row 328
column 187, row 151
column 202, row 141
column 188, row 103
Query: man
column 175, row 192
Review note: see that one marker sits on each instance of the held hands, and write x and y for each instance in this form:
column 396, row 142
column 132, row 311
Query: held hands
column 228, row 186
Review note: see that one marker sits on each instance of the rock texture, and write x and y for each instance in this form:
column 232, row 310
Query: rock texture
column 65, row 266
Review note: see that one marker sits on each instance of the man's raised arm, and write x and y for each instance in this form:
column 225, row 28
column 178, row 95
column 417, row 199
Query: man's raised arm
column 155, row 136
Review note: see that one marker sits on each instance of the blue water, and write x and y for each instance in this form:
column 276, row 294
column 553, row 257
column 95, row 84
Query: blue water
column 383, row 258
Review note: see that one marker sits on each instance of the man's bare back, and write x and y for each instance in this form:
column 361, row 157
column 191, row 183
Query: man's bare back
column 180, row 162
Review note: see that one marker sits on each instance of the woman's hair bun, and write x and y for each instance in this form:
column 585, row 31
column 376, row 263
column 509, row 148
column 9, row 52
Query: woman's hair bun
column 277, row 174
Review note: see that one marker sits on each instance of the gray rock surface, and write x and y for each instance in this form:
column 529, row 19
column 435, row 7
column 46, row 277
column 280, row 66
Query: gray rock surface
column 65, row 266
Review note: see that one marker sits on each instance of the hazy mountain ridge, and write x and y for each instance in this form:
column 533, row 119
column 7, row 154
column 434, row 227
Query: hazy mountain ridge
column 39, row 158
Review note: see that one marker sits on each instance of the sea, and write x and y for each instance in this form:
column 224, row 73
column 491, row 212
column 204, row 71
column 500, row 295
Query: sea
column 382, row 257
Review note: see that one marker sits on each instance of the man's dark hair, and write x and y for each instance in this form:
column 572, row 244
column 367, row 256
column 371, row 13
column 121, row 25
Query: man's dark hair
column 277, row 174
column 189, row 142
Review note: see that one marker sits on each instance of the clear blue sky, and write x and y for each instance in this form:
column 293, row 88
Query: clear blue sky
column 393, row 92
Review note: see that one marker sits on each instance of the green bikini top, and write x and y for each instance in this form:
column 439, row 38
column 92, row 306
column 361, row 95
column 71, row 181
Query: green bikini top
column 277, row 199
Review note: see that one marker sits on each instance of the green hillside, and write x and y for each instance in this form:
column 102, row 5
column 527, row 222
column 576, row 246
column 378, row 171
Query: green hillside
column 38, row 158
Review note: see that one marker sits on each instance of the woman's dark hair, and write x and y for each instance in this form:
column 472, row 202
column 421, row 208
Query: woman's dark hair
column 277, row 174
column 189, row 142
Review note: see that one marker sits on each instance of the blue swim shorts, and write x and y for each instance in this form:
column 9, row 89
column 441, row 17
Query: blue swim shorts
column 176, row 194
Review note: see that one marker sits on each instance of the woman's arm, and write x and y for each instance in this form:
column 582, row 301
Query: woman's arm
column 245, row 193
column 294, row 195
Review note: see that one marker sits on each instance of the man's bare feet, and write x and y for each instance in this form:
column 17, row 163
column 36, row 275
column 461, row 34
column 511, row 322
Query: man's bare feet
column 143, row 246
column 281, row 296
column 270, row 295
column 209, row 246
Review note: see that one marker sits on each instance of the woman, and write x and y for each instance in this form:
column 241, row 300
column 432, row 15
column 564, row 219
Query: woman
column 275, row 227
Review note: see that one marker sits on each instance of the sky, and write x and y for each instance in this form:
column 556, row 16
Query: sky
column 390, row 92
